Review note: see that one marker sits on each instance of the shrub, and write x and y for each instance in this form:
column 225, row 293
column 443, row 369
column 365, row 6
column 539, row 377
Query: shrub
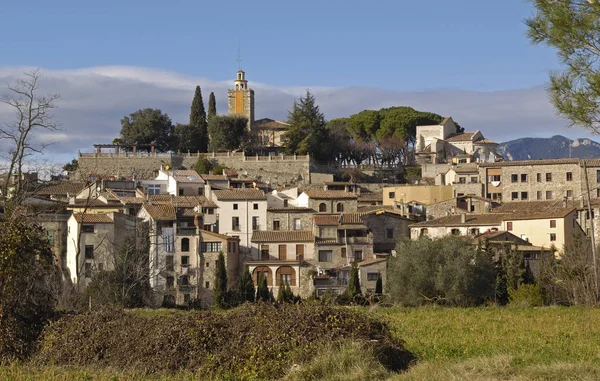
column 527, row 295
column 253, row 341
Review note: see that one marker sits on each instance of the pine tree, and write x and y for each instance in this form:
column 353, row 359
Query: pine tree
column 212, row 105
column 308, row 133
column 198, row 122
column 220, row 300
column 246, row 290
column 379, row 285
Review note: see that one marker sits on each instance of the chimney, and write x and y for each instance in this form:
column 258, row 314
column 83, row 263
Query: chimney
column 463, row 218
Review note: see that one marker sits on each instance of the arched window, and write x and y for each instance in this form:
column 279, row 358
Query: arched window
column 322, row 207
column 424, row 232
column 455, row 231
column 340, row 207
column 261, row 271
column 285, row 274
column 185, row 245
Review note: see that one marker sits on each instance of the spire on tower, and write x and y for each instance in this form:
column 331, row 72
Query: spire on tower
column 239, row 56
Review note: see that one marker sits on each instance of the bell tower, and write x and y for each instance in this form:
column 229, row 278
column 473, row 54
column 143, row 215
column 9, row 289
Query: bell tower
column 240, row 99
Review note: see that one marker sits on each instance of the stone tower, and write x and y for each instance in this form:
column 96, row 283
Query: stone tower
column 240, row 99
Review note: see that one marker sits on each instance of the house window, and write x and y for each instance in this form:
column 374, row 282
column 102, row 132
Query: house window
column 455, row 231
column 87, row 228
column 552, row 237
column 297, row 224
column 264, row 252
column 538, row 177
column 514, row 178
column 322, row 207
column 524, row 196
column 539, row 195
column 207, row 264
column 169, row 262
column 598, row 176
column 210, row 210
column 569, row 193
column 255, row 206
column 285, row 203
column 325, row 255
column 235, row 224
column 389, row 233
column 170, row 282
column 235, row 206
column 207, row 227
column 285, row 279
column 206, row 284
column 184, row 280
column 548, row 177
column 185, row 260
column 548, row 195
column 424, row 232
column 211, row 247
column 496, row 178
column 186, row 298
column 372, row 276
column 553, row 223
column 343, row 252
column 88, row 270
column 523, row 178
column 181, row 192
column 462, row 180
column 89, row 251
column 358, row 255
column 276, row 225
column 153, row 188
column 509, row 226
column 474, row 180
column 514, row 196
column 569, row 176
column 200, row 191
column 185, row 245
column 255, row 224
column 392, row 195
column 50, row 235
column 340, row 207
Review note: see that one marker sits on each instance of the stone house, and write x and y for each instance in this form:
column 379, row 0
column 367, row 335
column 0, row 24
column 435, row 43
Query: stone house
column 424, row 194
column 182, row 182
column 463, row 224
column 458, row 205
column 368, row 272
column 92, row 242
column 290, row 218
column 328, row 201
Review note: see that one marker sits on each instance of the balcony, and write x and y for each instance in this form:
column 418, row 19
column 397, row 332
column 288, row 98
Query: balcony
column 358, row 240
column 186, row 231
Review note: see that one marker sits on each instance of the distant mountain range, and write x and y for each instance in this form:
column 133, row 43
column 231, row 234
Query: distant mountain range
column 556, row 147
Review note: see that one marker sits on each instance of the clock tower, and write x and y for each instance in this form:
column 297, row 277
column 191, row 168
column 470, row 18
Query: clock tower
column 240, row 99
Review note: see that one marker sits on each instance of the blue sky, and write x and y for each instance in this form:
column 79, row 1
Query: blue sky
column 469, row 59
column 391, row 44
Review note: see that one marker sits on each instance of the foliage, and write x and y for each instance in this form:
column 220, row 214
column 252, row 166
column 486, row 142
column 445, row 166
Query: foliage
column 26, row 276
column 221, row 284
column 448, row 270
column 204, row 165
column 146, row 127
column 379, row 285
column 286, row 295
column 185, row 138
column 72, row 166
column 262, row 292
column 572, row 27
column 353, row 288
column 198, row 123
column 227, row 133
column 246, row 286
column 212, row 105
column 527, row 295
column 127, row 284
column 307, row 133
column 256, row 341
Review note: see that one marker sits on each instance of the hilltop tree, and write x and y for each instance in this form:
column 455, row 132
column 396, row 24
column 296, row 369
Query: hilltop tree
column 147, row 127
column 227, row 133
column 212, row 105
column 572, row 27
column 246, row 290
column 198, row 122
column 221, row 283
column 307, row 133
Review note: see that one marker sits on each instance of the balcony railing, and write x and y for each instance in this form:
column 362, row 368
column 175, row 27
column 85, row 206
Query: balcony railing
column 186, row 231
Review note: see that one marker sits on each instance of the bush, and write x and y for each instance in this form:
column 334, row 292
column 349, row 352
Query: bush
column 448, row 270
column 527, row 295
column 254, row 341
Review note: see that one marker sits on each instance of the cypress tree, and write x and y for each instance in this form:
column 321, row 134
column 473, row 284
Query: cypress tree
column 198, row 122
column 212, row 105
column 379, row 285
column 281, row 294
column 527, row 277
column 262, row 292
column 221, row 283
column 354, row 282
column 246, row 290
column 289, row 295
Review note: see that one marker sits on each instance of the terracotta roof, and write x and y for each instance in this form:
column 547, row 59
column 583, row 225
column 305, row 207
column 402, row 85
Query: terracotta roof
column 267, row 123
column 283, row 236
column 326, row 241
column 72, row 188
column 221, row 236
column 354, row 218
column 471, row 220
column 467, row 168
column 330, row 195
column 132, row 200
column 240, row 194
column 326, row 219
column 371, row 261
column 291, row 209
column 374, row 196
column 93, row 218
column 187, row 176
column 542, row 214
column 531, row 210
column 160, row 212
column 464, row 137
column 213, row 177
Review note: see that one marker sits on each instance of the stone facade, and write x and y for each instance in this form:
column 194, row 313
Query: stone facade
column 458, row 205
column 287, row 219
column 387, row 229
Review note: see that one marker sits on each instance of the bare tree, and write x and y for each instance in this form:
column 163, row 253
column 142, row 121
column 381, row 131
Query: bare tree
column 32, row 113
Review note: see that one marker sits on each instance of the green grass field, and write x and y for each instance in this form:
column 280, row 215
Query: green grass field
column 548, row 343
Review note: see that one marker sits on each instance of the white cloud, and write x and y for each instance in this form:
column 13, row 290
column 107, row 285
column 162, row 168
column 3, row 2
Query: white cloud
column 93, row 101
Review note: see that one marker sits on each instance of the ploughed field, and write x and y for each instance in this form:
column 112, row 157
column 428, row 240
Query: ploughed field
column 315, row 342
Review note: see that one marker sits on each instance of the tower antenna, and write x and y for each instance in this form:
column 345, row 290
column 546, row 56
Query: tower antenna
column 239, row 55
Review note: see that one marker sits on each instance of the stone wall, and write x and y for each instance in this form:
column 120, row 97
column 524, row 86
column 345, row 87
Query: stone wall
column 286, row 220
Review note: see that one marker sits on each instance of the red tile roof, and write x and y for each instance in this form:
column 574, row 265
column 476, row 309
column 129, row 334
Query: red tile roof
column 330, row 195
column 93, row 218
column 240, row 194
column 283, row 236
